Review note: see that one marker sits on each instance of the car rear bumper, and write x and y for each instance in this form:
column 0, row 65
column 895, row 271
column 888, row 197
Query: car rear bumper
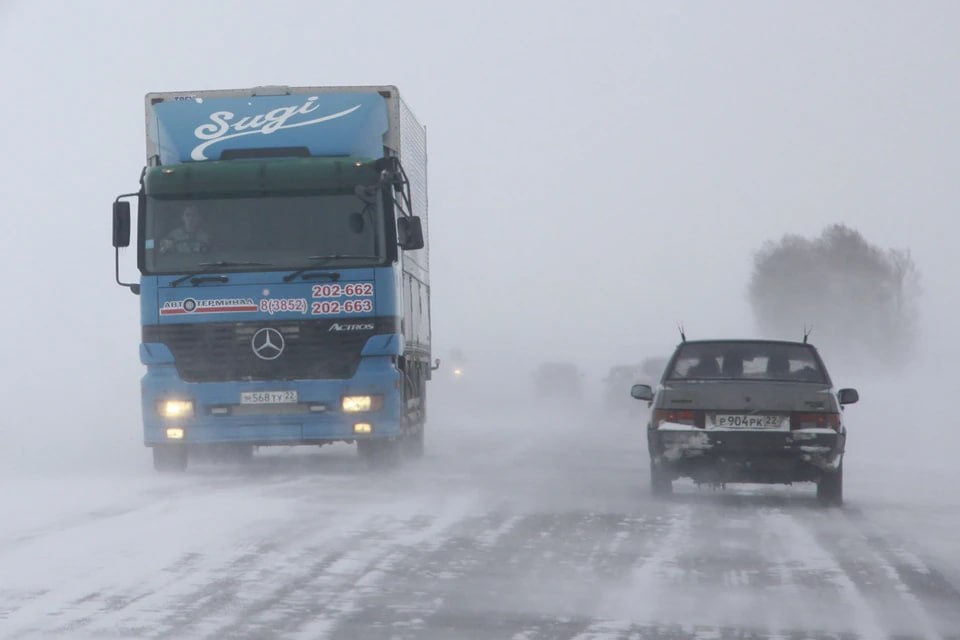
column 718, row 456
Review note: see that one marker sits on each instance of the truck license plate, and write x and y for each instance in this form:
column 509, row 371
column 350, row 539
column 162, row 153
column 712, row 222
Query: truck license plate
column 268, row 397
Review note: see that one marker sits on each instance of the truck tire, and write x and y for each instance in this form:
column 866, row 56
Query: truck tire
column 413, row 443
column 379, row 454
column 169, row 457
column 241, row 454
column 830, row 488
column 660, row 482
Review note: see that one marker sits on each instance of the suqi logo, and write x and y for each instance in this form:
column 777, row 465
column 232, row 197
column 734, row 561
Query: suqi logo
column 223, row 125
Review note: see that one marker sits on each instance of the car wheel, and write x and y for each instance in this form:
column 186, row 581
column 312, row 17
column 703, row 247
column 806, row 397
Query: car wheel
column 169, row 457
column 830, row 488
column 660, row 482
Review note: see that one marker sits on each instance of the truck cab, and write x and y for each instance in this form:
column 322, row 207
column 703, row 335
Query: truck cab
column 284, row 285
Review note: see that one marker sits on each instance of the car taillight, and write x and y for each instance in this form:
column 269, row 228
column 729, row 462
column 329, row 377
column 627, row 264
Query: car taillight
column 818, row 420
column 678, row 416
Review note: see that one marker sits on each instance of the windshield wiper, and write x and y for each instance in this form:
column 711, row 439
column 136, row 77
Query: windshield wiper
column 333, row 275
column 227, row 263
column 321, row 260
column 340, row 256
column 220, row 263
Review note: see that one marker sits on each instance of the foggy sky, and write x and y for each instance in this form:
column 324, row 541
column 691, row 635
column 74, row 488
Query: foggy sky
column 598, row 171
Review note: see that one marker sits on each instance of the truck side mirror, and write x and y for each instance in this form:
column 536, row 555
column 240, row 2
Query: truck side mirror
column 121, row 224
column 410, row 233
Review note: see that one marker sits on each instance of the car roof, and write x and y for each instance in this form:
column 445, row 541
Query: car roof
column 747, row 341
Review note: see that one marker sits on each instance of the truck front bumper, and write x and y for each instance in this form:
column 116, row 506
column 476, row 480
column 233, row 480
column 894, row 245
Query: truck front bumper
column 316, row 416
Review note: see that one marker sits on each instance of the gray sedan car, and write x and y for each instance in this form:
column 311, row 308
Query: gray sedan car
column 747, row 411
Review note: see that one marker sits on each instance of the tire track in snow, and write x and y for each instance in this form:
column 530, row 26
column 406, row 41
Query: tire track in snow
column 818, row 576
column 525, row 575
column 911, row 597
column 406, row 599
column 170, row 490
column 740, row 563
column 97, row 593
column 312, row 580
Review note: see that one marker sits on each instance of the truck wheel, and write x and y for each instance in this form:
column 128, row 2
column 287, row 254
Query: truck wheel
column 660, row 482
column 413, row 443
column 379, row 454
column 241, row 453
column 365, row 449
column 169, row 457
column 830, row 488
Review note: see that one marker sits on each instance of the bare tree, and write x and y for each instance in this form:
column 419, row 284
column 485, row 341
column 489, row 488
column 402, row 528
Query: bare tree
column 859, row 298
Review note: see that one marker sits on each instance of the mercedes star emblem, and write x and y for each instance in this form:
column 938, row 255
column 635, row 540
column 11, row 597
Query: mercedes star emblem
column 267, row 344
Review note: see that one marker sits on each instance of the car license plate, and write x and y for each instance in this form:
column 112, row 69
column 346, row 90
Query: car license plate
column 740, row 421
column 268, row 397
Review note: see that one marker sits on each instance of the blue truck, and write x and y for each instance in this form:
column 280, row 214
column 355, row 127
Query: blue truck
column 282, row 246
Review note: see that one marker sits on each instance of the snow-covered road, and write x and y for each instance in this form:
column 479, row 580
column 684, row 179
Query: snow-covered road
column 515, row 526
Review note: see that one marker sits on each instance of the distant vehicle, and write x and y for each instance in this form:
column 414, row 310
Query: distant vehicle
column 653, row 367
column 558, row 379
column 457, row 363
column 760, row 411
column 619, row 380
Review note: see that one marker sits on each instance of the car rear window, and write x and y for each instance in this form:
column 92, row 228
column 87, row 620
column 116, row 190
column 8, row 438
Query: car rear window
column 747, row 361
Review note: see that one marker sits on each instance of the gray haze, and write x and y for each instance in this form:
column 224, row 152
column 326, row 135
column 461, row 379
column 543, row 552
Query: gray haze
column 597, row 173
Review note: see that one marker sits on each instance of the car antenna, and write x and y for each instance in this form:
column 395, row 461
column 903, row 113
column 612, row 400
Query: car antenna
column 806, row 332
column 683, row 335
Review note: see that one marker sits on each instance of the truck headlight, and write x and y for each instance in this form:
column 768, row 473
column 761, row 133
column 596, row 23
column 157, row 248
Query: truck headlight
column 176, row 408
column 355, row 404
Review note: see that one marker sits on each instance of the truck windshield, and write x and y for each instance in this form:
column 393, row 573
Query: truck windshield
column 279, row 232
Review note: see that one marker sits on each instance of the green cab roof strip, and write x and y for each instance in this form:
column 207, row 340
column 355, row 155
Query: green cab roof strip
column 251, row 176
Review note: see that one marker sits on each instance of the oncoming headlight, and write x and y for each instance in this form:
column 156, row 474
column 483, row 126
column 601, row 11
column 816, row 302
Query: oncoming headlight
column 176, row 408
column 355, row 404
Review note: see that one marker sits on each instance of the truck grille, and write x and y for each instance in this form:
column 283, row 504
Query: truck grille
column 313, row 349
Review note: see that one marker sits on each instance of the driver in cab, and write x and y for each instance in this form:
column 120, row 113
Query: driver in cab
column 190, row 237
